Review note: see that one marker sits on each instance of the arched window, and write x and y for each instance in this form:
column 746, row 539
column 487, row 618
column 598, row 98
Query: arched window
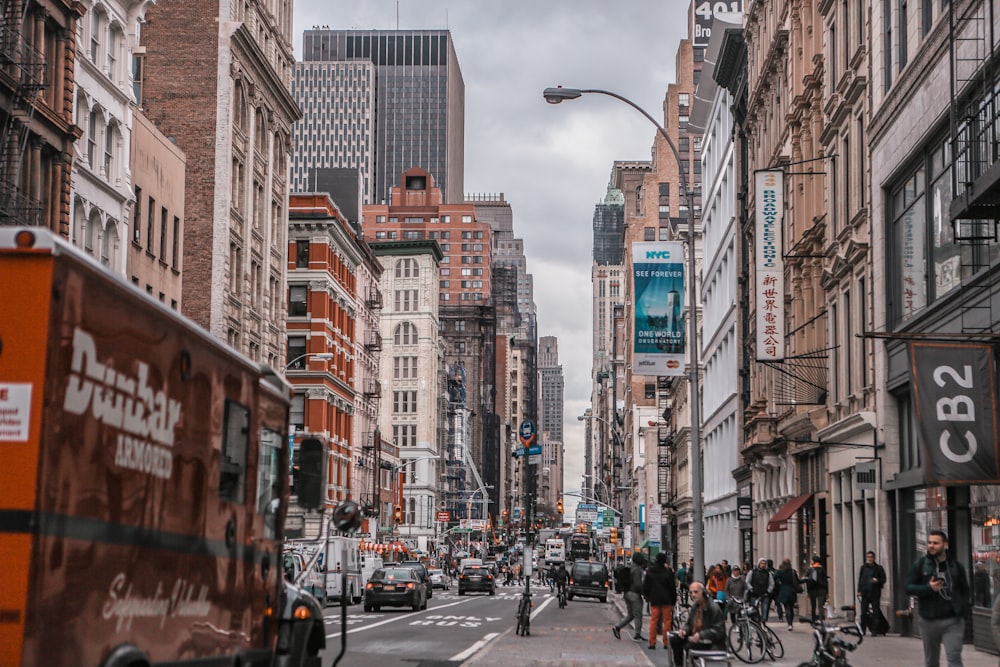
column 116, row 39
column 99, row 20
column 110, row 140
column 109, row 245
column 92, row 125
column 93, row 225
column 406, row 334
column 240, row 107
column 260, row 132
column 79, row 223
column 407, row 268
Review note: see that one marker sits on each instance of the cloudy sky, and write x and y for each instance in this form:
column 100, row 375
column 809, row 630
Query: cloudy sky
column 551, row 162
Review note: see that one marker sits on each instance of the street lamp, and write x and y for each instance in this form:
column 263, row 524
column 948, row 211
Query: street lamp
column 326, row 356
column 394, row 480
column 607, row 491
column 559, row 94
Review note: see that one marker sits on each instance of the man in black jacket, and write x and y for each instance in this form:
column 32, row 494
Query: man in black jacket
column 660, row 589
column 871, row 579
column 941, row 587
column 705, row 627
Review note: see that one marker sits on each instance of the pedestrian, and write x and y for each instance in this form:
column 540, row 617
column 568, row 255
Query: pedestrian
column 761, row 583
column 871, row 579
column 816, row 587
column 787, row 588
column 705, row 627
column 736, row 589
column 682, row 583
column 717, row 583
column 660, row 589
column 941, row 587
column 726, row 568
column 981, row 586
column 774, row 592
column 633, row 598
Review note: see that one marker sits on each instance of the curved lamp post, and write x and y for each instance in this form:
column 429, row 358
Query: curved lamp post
column 560, row 94
column 315, row 355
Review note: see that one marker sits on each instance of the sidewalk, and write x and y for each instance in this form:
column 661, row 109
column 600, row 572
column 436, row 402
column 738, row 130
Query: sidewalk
column 886, row 651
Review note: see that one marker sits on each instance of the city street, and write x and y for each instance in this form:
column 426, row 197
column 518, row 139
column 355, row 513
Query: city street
column 478, row 631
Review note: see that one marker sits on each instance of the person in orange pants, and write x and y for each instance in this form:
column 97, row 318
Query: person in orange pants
column 660, row 590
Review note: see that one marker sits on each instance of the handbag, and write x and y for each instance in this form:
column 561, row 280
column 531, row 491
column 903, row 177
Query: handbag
column 720, row 596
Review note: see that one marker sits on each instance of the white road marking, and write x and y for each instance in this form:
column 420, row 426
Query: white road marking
column 475, row 647
column 541, row 607
column 397, row 618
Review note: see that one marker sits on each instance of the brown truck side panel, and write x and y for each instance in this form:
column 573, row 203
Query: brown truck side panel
column 133, row 543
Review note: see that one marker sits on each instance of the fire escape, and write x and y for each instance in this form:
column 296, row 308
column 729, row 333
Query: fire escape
column 371, row 454
column 975, row 148
column 664, row 456
column 22, row 69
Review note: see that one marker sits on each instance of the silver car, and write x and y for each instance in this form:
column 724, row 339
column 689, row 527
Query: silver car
column 439, row 579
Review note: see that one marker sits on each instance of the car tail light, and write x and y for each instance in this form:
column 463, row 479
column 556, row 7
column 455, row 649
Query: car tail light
column 571, row 581
column 489, row 577
column 369, row 586
column 410, row 585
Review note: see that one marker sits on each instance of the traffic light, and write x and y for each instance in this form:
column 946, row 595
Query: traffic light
column 397, row 513
column 309, row 477
column 559, row 506
column 613, row 537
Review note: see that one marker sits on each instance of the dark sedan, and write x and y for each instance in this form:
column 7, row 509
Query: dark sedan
column 395, row 587
column 477, row 578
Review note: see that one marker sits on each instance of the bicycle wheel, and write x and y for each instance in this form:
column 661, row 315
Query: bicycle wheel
column 748, row 643
column 680, row 618
column 775, row 648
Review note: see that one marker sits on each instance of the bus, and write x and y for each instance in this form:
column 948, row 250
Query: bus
column 580, row 547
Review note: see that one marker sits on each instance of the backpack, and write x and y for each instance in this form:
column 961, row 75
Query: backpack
column 623, row 578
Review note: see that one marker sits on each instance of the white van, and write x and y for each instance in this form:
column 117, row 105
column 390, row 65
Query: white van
column 369, row 564
column 555, row 551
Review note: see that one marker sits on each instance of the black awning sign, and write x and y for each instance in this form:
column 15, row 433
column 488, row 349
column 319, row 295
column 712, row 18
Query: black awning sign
column 955, row 398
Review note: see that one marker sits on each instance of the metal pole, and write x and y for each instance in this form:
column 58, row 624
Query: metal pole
column 697, row 525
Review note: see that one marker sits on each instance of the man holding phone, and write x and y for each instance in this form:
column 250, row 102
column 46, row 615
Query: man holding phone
column 941, row 587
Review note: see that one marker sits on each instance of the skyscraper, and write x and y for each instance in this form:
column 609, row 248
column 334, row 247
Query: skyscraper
column 419, row 98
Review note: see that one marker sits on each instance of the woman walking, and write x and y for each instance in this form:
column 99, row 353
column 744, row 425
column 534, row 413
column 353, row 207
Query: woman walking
column 786, row 581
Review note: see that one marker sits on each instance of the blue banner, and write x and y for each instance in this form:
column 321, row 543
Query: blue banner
column 658, row 286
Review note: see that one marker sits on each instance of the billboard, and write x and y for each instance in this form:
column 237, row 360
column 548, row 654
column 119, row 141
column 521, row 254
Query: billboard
column 658, row 285
column 706, row 10
column 769, row 190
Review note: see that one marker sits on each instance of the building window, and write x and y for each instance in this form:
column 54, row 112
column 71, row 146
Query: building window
column 405, row 334
column 150, row 227
column 302, row 254
column 298, row 301
column 649, row 234
column 137, row 217
column 176, row 245
column 404, row 402
column 164, row 228
column 460, row 347
column 296, row 352
column 926, row 262
column 404, row 368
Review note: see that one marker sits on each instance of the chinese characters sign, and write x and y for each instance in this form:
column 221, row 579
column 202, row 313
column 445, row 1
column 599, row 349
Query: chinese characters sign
column 770, row 270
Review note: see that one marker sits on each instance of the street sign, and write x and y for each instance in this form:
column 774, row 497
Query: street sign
column 526, row 432
column 444, row 517
column 534, row 450
column 534, row 459
column 744, row 508
column 520, row 451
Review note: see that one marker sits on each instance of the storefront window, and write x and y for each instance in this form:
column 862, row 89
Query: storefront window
column 985, row 508
column 930, row 509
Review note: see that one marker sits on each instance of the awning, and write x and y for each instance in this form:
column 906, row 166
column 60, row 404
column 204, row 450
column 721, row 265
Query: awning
column 780, row 519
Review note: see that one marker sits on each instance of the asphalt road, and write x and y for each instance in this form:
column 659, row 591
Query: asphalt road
column 449, row 631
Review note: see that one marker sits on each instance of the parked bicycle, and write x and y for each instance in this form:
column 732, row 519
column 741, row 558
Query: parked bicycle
column 750, row 639
column 524, row 615
column 830, row 649
column 680, row 616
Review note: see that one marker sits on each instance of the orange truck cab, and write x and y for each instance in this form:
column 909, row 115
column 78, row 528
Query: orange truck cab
column 145, row 479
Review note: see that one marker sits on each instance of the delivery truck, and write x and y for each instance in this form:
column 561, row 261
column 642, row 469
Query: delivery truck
column 145, row 480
